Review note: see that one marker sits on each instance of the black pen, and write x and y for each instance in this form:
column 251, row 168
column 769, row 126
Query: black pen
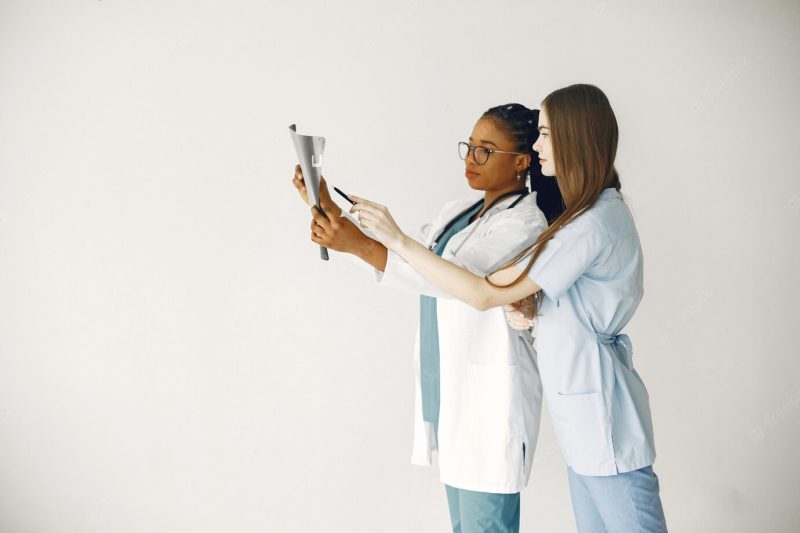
column 343, row 195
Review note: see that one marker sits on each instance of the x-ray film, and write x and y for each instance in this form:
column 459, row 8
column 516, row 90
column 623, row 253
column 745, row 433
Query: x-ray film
column 309, row 151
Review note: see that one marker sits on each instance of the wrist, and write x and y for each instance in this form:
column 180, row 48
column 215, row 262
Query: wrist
column 334, row 212
column 400, row 246
column 363, row 247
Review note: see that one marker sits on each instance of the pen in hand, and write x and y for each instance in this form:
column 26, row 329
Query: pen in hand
column 343, row 195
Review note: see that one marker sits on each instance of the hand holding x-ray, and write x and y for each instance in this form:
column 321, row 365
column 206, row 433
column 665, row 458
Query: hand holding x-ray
column 309, row 152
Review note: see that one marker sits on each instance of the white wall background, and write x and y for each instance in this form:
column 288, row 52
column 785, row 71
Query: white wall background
column 175, row 357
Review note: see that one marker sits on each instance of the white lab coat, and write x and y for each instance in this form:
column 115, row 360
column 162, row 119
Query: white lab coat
column 490, row 388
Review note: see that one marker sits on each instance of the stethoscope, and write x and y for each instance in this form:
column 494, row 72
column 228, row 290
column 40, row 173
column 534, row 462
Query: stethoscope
column 522, row 192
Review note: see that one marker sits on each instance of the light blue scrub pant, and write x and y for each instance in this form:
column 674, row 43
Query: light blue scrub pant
column 479, row 512
column 623, row 503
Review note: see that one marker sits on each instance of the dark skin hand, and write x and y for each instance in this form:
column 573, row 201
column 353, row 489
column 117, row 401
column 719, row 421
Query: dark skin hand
column 336, row 232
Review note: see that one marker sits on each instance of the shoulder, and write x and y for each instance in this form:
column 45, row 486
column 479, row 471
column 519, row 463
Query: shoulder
column 611, row 216
column 525, row 213
column 456, row 206
column 604, row 225
column 450, row 209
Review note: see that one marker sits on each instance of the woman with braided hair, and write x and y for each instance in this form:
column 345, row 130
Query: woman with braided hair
column 478, row 391
column 586, row 271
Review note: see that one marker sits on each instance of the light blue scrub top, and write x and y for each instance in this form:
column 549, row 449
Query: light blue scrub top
column 592, row 279
column 429, row 332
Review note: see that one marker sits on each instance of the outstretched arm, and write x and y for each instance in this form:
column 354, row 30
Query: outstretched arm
column 459, row 282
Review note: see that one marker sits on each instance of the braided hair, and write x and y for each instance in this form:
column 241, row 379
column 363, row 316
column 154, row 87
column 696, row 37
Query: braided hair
column 522, row 125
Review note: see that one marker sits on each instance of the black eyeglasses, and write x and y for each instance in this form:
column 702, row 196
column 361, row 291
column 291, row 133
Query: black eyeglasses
column 480, row 153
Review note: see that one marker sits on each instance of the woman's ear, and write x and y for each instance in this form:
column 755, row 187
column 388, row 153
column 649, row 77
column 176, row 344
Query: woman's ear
column 523, row 162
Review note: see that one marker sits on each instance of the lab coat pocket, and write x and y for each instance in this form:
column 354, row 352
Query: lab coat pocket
column 493, row 400
column 584, row 431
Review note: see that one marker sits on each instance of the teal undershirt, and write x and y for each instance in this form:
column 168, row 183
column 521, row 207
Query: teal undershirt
column 429, row 332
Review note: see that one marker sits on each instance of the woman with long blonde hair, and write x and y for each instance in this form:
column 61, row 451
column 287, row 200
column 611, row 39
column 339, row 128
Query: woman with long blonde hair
column 586, row 272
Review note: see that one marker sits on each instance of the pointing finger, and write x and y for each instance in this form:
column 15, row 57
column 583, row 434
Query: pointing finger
column 363, row 205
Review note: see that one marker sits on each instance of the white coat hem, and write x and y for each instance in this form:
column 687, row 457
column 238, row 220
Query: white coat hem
column 617, row 468
column 483, row 487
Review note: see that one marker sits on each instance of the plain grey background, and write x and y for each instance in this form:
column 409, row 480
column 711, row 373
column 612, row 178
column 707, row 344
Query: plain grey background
column 175, row 357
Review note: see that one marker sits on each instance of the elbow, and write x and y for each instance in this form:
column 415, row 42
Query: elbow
column 481, row 303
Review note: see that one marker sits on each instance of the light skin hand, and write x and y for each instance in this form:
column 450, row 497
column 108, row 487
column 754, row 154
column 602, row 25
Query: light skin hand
column 520, row 314
column 379, row 221
column 460, row 283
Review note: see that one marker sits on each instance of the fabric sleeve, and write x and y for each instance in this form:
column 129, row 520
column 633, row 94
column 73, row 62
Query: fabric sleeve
column 487, row 253
column 572, row 251
column 400, row 275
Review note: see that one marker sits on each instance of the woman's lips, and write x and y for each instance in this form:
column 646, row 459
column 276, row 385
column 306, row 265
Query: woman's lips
column 470, row 174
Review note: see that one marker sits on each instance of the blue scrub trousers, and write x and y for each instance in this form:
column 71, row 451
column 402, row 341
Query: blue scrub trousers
column 623, row 503
column 478, row 512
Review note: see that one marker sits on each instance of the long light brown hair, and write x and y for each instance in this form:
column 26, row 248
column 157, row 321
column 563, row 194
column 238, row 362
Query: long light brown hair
column 584, row 135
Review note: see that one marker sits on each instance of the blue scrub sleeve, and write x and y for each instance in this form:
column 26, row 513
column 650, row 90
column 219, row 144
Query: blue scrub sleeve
column 573, row 250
